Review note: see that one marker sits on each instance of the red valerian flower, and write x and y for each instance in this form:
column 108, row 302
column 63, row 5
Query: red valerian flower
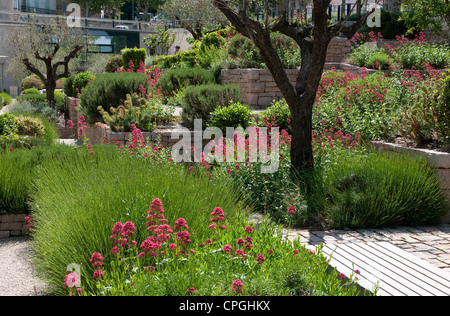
column 292, row 210
column 260, row 258
column 237, row 286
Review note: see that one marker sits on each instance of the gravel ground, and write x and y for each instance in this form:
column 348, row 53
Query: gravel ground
column 17, row 276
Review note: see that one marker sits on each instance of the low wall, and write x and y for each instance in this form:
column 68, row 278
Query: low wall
column 439, row 160
column 13, row 225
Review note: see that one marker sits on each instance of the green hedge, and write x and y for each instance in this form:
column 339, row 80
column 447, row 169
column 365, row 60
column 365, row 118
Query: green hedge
column 200, row 101
column 136, row 55
column 109, row 90
column 175, row 79
column 41, row 99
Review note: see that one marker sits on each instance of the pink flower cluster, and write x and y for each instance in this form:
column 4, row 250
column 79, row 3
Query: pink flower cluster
column 120, row 234
column 217, row 216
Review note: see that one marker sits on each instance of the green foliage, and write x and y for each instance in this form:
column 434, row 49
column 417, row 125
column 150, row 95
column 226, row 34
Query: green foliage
column 371, row 57
column 109, row 90
column 244, row 54
column 416, row 55
column 68, row 87
column 200, row 101
column 30, row 91
column 174, row 80
column 32, row 81
column 135, row 55
column 159, row 42
column 144, row 114
column 8, row 125
column 40, row 100
column 233, row 115
column 379, row 190
column 278, row 114
column 6, row 98
column 187, row 58
column 30, row 126
column 74, row 219
column 391, row 26
column 18, row 170
column 114, row 63
column 81, row 80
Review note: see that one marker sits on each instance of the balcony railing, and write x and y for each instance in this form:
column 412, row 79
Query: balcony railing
column 25, row 8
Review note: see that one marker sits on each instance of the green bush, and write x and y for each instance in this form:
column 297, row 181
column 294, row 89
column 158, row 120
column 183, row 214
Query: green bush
column 187, row 58
column 416, row 55
column 68, row 87
column 30, row 91
column 109, row 90
column 30, row 126
column 81, row 80
column 277, row 114
column 32, row 81
column 18, row 170
column 174, row 80
column 6, row 98
column 114, row 63
column 8, row 125
column 40, row 100
column 136, row 55
column 200, row 101
column 233, row 115
column 379, row 190
column 74, row 219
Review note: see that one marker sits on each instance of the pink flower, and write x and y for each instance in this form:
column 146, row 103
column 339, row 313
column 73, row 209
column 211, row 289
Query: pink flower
column 96, row 259
column 181, row 222
column 128, row 229
column 295, row 251
column 342, row 275
column 227, row 248
column 172, row 246
column 191, row 290
column 115, row 250
column 249, row 229
column 260, row 258
column 312, row 252
column 97, row 274
column 237, row 286
column 292, row 210
column 71, row 279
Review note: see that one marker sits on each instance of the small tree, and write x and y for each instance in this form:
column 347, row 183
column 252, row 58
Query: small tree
column 44, row 48
column 160, row 42
column 313, row 35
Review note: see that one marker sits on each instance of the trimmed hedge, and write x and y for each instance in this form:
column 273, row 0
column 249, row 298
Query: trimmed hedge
column 175, row 79
column 200, row 101
column 41, row 99
column 136, row 55
column 109, row 90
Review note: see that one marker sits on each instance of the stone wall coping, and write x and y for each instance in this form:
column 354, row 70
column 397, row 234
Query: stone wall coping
column 438, row 159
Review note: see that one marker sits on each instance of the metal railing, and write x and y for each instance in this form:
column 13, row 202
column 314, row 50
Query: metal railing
column 93, row 23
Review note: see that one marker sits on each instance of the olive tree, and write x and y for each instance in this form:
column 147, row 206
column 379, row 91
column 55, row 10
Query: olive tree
column 313, row 36
column 44, row 47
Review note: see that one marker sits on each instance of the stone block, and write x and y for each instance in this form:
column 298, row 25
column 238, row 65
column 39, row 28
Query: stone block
column 444, row 176
column 11, row 226
column 264, row 101
column 251, row 74
column 266, row 78
column 12, row 218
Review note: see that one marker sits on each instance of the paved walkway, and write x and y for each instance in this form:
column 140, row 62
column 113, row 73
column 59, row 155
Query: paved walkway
column 431, row 244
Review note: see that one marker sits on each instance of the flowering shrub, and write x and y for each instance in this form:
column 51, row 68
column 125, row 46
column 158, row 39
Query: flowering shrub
column 240, row 260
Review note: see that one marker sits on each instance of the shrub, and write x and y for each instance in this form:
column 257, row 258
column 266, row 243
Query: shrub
column 68, row 87
column 187, row 58
column 135, row 55
column 8, row 125
column 233, row 115
column 128, row 188
column 30, row 91
column 29, row 126
column 200, row 101
column 6, row 98
column 144, row 114
column 380, row 190
column 40, row 100
column 174, row 80
column 277, row 114
column 81, row 80
column 114, row 63
column 26, row 107
column 109, row 90
column 32, row 81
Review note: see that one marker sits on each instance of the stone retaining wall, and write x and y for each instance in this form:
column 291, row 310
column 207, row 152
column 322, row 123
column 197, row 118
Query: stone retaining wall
column 13, row 225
